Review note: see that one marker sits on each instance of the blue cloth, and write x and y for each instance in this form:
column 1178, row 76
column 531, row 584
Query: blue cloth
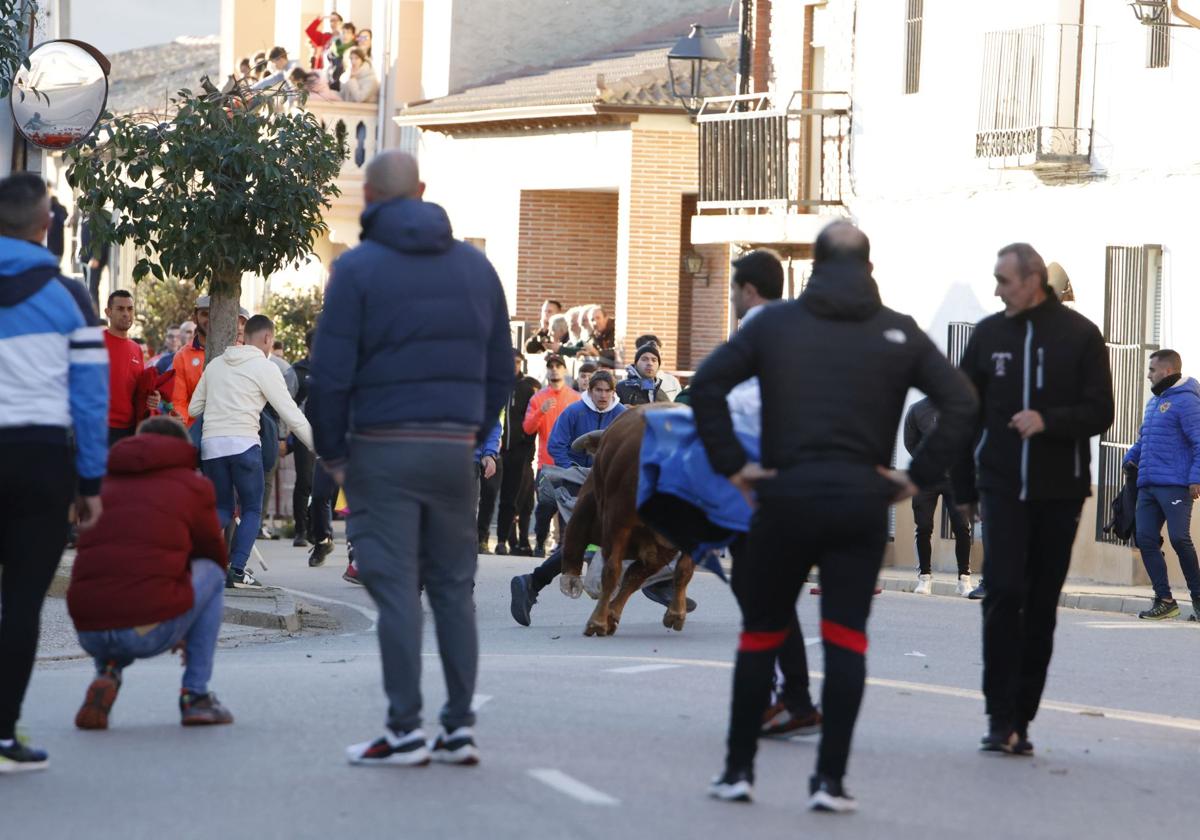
column 200, row 626
column 1172, row 505
column 55, row 361
column 579, row 418
column 241, row 474
column 491, row 446
column 414, row 331
column 1167, row 451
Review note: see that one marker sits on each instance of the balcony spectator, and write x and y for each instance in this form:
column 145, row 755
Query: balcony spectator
column 258, row 67
column 246, row 71
column 321, row 40
column 363, row 41
column 361, row 86
column 278, row 62
column 314, row 85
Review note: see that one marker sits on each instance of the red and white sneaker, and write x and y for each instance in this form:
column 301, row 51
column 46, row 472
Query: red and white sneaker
column 351, row 575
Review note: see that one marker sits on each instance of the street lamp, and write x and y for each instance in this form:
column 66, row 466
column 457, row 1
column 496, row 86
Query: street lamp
column 693, row 263
column 1150, row 12
column 686, row 66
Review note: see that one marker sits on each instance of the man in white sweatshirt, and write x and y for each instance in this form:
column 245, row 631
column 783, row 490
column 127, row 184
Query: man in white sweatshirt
column 231, row 395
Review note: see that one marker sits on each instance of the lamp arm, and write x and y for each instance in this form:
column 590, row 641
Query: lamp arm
column 1191, row 20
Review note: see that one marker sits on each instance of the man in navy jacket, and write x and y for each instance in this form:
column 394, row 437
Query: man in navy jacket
column 1167, row 456
column 411, row 366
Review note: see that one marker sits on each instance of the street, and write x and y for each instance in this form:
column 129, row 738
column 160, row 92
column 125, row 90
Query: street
column 618, row 737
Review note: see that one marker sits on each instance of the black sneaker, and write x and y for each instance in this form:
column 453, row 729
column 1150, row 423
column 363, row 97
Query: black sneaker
column 319, row 552
column 662, row 593
column 457, row 747
column 1022, row 746
column 1161, row 610
column 1004, row 738
column 501, row 549
column 406, row 749
column 828, row 795
column 733, row 786
column 521, row 551
column 18, row 758
column 300, row 541
column 240, row 579
column 523, row 598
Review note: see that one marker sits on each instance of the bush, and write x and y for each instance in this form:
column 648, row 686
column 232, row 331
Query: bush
column 160, row 305
column 294, row 315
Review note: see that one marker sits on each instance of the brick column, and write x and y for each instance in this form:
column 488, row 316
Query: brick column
column 760, row 46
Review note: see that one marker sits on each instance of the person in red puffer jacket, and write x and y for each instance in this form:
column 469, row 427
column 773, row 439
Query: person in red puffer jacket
column 150, row 576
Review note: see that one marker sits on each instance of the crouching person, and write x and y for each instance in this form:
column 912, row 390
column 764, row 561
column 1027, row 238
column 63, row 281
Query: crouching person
column 150, row 577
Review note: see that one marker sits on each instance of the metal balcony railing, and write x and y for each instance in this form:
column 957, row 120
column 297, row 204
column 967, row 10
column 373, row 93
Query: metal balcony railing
column 754, row 155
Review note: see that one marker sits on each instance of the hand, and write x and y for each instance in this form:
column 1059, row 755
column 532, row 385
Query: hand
column 1194, row 489
column 283, row 448
column 489, row 466
column 1027, row 424
column 905, row 489
column 338, row 474
column 93, row 263
column 548, row 405
column 153, row 401
column 749, row 475
column 87, row 511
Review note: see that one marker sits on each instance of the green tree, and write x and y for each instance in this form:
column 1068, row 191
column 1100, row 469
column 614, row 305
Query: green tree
column 163, row 305
column 224, row 185
column 294, row 315
column 16, row 17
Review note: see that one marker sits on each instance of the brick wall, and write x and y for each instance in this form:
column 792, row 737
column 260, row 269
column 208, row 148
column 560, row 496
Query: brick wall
column 704, row 299
column 567, row 250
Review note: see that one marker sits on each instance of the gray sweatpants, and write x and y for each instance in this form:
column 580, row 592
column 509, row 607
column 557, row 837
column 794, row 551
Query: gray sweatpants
column 412, row 522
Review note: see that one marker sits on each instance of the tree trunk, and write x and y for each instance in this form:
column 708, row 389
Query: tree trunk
column 225, row 297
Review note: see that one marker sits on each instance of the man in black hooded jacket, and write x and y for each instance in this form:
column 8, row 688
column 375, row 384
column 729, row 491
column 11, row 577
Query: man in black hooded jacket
column 823, row 492
column 1043, row 379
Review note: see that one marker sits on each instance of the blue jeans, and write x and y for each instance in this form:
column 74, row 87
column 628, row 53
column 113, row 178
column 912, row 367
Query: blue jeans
column 242, row 473
column 199, row 626
column 1172, row 505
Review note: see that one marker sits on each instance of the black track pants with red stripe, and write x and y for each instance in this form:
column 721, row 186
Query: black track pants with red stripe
column 844, row 536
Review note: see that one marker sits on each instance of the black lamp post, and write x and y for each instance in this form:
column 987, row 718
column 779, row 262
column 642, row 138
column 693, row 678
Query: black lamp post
column 686, row 67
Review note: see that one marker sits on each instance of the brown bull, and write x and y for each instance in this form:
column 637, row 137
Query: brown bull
column 606, row 515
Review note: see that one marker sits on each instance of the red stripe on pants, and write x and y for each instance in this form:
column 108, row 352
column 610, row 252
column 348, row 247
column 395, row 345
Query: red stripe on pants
column 844, row 637
column 750, row 642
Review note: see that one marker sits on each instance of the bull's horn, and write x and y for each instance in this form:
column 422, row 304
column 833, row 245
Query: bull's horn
column 588, row 443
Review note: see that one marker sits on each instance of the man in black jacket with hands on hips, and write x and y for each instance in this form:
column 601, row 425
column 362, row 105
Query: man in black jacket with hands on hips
column 823, row 492
column 1043, row 379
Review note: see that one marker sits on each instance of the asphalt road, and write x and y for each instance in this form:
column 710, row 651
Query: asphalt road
column 617, row 737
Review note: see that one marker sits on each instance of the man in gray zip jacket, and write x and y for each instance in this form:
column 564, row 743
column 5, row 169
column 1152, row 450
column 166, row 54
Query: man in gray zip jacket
column 1044, row 386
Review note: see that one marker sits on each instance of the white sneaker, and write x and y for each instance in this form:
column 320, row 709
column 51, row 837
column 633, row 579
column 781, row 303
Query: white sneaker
column 406, row 749
column 924, row 585
column 964, row 585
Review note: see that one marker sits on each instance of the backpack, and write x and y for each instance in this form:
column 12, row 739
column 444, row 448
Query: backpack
column 1121, row 523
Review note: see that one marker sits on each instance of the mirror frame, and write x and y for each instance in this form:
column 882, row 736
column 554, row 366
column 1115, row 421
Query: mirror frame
column 105, row 69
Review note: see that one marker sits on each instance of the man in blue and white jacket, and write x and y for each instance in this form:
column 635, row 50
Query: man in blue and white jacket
column 53, row 378
column 1167, row 458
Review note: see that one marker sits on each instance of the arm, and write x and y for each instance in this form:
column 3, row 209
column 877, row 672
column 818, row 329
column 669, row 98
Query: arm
column 179, row 394
column 957, row 407
column 491, row 446
column 1189, row 423
column 1093, row 414
column 912, row 437
column 559, row 445
column 277, row 395
column 87, row 384
column 199, row 396
column 334, row 366
column 318, row 38
column 733, row 362
column 205, row 530
column 533, row 415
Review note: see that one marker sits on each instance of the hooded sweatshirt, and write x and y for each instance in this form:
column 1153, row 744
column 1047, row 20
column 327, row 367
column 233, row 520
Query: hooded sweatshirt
column 133, row 568
column 414, row 333
column 53, row 362
column 233, row 391
column 834, row 367
column 577, row 419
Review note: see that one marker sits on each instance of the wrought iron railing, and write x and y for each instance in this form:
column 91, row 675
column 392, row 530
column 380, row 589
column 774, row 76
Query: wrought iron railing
column 754, row 155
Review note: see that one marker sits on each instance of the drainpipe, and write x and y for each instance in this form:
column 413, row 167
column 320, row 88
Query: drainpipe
column 744, row 26
column 385, row 74
column 1191, row 20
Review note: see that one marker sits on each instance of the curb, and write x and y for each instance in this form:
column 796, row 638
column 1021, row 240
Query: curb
column 1126, row 604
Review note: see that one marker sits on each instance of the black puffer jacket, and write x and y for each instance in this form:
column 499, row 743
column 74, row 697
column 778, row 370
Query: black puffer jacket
column 1051, row 360
column 834, row 367
column 514, row 437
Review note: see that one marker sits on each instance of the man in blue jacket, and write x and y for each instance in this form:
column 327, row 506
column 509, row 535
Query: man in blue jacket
column 53, row 378
column 594, row 411
column 411, row 365
column 1167, row 458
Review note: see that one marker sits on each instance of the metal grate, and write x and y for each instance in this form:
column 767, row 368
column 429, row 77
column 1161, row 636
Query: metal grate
column 913, row 30
column 1158, row 43
column 958, row 333
column 1132, row 298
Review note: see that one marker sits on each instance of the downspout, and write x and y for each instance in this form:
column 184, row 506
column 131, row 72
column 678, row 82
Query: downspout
column 744, row 25
column 1191, row 20
column 384, row 78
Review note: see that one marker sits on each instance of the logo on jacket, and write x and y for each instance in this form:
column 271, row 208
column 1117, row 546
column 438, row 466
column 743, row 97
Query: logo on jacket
column 1001, row 361
column 1163, row 406
column 895, row 336
column 195, row 362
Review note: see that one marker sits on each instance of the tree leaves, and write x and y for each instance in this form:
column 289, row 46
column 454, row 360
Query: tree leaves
column 15, row 19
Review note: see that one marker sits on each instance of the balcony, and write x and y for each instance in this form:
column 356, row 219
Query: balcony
column 768, row 172
column 1036, row 99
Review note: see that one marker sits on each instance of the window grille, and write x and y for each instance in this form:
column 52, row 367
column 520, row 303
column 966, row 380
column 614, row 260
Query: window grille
column 958, row 333
column 1158, row 43
column 913, row 26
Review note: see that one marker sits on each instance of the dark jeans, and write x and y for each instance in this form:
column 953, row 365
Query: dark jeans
column 516, row 497
column 320, row 510
column 489, row 489
column 1028, row 549
column 924, row 505
column 240, row 475
column 303, row 460
column 1174, row 506
column 845, row 537
column 550, row 568
column 200, row 626
column 37, row 482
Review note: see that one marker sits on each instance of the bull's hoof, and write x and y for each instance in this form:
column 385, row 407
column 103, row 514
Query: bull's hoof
column 571, row 585
column 674, row 621
column 594, row 628
column 613, row 621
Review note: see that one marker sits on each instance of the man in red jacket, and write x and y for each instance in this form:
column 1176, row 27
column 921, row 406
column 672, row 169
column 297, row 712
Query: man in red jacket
column 136, row 598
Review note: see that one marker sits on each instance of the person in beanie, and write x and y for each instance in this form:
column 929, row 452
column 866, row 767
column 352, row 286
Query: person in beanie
column 134, row 599
column 643, row 385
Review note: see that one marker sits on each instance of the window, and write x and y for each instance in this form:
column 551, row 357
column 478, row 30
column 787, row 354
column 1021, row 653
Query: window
column 1158, row 42
column 958, row 333
column 1132, row 330
column 912, row 45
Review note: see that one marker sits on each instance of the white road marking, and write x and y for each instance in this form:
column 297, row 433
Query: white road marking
column 640, row 669
column 368, row 613
column 1138, row 625
column 478, row 701
column 572, row 787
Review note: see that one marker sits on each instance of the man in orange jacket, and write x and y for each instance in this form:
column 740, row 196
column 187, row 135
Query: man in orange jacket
column 544, row 408
column 189, row 360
